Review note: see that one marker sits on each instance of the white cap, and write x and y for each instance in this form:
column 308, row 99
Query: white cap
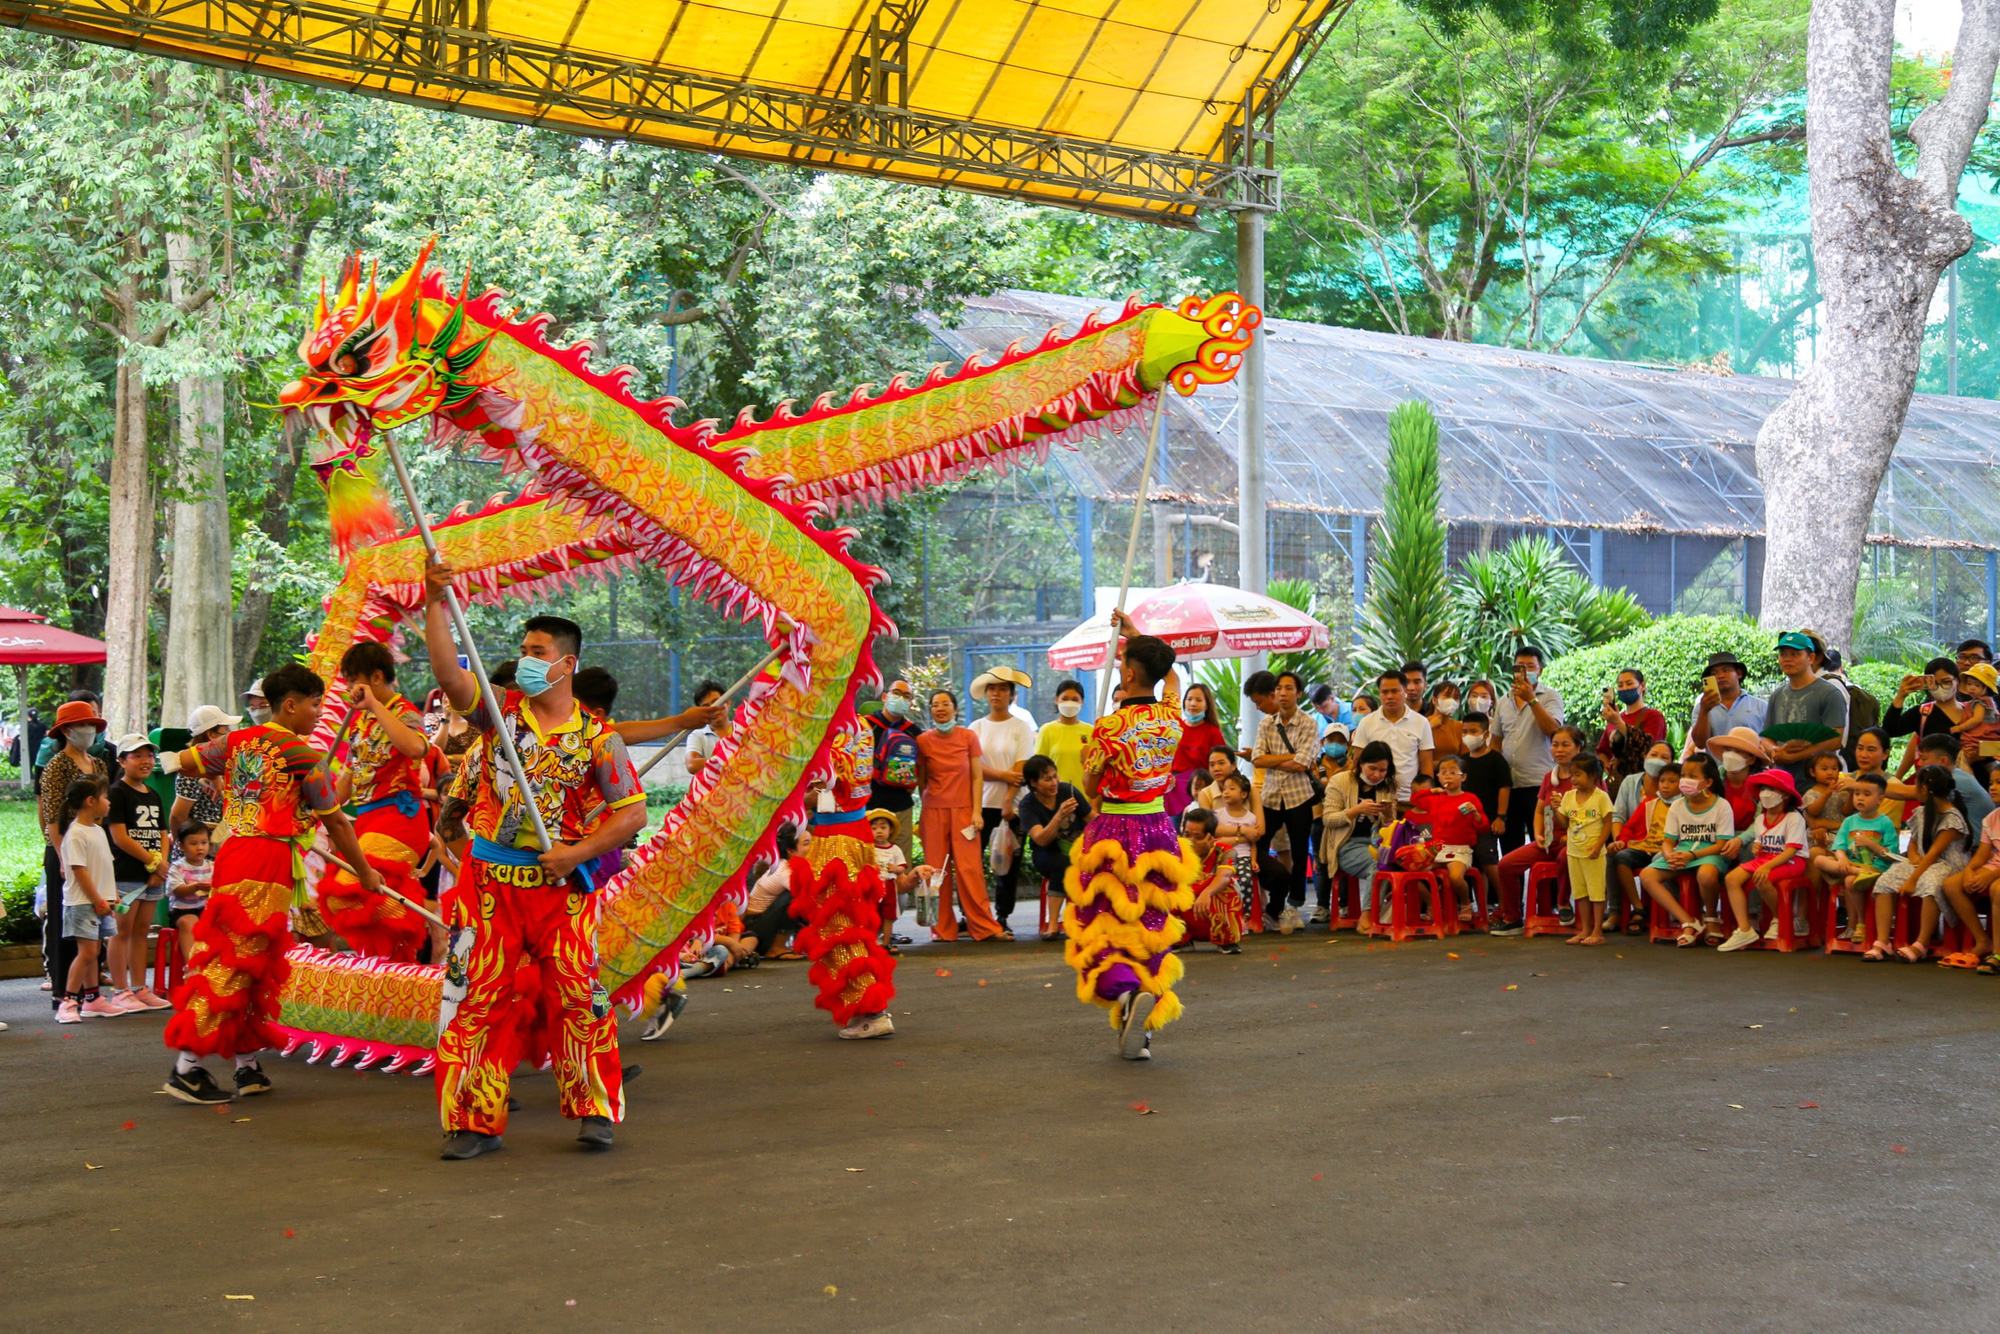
column 207, row 718
column 132, row 741
column 255, row 692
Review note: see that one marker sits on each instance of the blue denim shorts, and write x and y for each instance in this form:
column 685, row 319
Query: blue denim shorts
column 80, row 922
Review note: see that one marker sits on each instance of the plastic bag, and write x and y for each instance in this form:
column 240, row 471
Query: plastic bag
column 927, row 895
column 1000, row 851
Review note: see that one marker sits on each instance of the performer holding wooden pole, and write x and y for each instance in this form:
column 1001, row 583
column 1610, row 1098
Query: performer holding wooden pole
column 525, row 892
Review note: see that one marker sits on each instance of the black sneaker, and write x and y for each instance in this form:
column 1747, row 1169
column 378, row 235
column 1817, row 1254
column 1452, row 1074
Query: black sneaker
column 462, row 1144
column 663, row 1018
column 251, row 1080
column 596, row 1132
column 197, row 1086
column 513, row 1102
column 631, row 1072
column 1230, row 949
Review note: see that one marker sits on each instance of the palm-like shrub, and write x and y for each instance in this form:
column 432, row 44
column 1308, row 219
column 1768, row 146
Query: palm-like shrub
column 1407, row 616
column 1528, row 592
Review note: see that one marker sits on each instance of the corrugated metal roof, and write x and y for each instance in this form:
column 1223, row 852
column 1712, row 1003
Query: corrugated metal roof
column 1526, row 438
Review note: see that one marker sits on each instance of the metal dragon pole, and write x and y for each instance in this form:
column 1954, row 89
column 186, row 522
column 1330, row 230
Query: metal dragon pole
column 1131, row 548
column 501, row 730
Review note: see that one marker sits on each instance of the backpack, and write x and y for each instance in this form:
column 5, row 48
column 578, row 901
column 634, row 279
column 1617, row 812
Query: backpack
column 896, row 760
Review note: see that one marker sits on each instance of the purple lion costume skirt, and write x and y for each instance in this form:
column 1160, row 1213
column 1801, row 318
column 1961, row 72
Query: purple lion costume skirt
column 1129, row 877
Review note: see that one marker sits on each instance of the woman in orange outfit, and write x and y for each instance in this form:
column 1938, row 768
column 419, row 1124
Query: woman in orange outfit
column 948, row 777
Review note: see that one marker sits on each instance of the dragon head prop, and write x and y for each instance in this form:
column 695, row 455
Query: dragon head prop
column 375, row 360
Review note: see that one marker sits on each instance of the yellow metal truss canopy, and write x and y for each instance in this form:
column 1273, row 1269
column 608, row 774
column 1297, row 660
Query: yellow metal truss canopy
column 1142, row 108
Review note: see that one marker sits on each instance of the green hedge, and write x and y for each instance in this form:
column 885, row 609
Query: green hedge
column 20, row 872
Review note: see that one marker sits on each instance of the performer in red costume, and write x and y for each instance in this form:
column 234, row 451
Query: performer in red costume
column 384, row 783
column 276, row 793
column 524, row 901
column 837, row 892
column 1131, row 876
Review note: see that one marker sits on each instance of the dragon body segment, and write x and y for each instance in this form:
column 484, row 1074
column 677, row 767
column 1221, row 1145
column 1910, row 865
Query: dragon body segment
column 727, row 514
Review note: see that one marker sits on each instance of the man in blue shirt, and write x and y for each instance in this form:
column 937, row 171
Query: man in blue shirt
column 1328, row 708
column 1726, row 706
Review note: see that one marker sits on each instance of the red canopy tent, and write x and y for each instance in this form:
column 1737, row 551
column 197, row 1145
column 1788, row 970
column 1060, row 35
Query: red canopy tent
column 28, row 640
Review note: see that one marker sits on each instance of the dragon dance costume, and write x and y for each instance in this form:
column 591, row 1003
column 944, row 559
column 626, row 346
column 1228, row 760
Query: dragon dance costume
column 1131, row 874
column 389, row 822
column 838, row 893
column 275, row 790
column 571, row 768
column 1222, row 922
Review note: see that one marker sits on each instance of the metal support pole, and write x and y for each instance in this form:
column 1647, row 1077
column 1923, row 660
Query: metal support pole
column 1357, row 557
column 1250, row 516
column 1597, row 557
column 1086, row 515
column 499, row 719
column 1252, row 559
column 1992, row 597
column 28, row 752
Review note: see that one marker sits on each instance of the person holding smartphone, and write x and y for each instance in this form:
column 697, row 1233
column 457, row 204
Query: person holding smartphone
column 1523, row 721
column 1724, row 706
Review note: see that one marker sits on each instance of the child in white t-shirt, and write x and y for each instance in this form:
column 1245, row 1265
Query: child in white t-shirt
column 87, row 890
column 1776, row 844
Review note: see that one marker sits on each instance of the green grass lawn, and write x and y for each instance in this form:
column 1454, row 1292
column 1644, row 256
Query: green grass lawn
column 20, row 868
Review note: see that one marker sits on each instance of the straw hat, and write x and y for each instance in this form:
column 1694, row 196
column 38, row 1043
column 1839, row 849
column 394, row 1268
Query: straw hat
column 1742, row 739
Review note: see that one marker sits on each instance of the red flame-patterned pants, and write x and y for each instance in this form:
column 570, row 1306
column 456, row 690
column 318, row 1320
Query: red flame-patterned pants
column 556, row 926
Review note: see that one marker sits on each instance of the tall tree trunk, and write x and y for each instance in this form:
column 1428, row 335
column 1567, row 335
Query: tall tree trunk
column 198, row 666
column 1881, row 240
column 254, row 611
column 131, row 557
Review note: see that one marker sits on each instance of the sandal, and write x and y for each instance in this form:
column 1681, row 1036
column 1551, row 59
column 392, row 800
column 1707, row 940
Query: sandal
column 1712, row 931
column 1923, row 952
column 1990, row 967
column 789, row 956
column 1690, row 935
column 1876, row 953
column 1959, row 959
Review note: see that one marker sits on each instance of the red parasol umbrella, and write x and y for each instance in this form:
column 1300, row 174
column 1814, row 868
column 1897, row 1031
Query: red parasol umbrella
column 28, row 640
column 1197, row 621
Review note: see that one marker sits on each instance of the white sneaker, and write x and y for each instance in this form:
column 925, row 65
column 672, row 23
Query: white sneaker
column 1320, row 917
column 1270, row 922
column 68, row 1013
column 1737, row 940
column 1288, row 921
column 1771, row 931
column 1133, row 1042
column 874, row 1026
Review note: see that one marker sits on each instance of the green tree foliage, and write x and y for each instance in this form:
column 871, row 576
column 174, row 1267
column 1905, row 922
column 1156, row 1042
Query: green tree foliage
column 1498, row 174
column 1407, row 616
column 1530, row 593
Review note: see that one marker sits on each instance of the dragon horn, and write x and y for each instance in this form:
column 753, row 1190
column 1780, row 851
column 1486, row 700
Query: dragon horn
column 368, row 302
column 350, row 278
column 319, row 315
column 465, row 288
column 404, row 289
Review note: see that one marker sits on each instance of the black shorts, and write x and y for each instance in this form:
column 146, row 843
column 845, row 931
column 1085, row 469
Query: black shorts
column 174, row 915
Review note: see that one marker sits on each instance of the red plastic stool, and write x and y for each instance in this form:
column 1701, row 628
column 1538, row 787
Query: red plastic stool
column 1788, row 939
column 1346, row 903
column 1662, row 926
column 167, row 962
column 1042, row 925
column 1546, row 882
column 1407, row 918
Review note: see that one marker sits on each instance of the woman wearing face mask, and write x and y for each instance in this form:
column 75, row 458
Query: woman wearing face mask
column 1443, row 715
column 1062, row 737
column 1933, row 707
column 1200, row 734
column 948, row 775
column 1631, row 727
column 1359, row 800
column 1741, row 753
column 76, row 730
